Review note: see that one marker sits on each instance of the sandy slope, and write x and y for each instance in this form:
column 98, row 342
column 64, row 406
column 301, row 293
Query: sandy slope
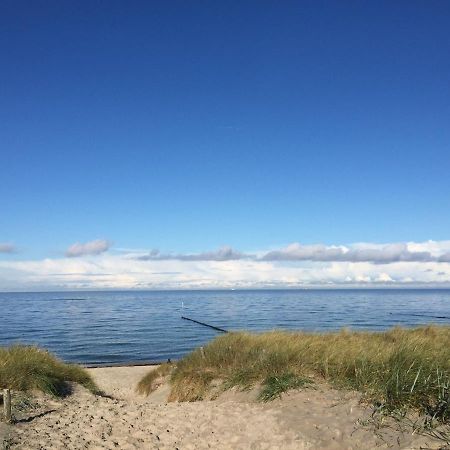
column 311, row 419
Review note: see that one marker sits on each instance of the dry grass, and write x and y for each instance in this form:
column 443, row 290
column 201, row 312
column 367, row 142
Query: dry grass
column 154, row 378
column 25, row 368
column 399, row 368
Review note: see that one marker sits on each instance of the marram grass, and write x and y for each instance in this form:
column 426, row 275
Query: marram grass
column 25, row 368
column 399, row 368
column 150, row 381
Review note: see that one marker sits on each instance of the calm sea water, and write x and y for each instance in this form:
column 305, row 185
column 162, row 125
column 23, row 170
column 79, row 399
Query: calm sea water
column 120, row 327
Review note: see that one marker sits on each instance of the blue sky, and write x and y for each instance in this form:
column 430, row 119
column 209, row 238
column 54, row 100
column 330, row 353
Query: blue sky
column 188, row 126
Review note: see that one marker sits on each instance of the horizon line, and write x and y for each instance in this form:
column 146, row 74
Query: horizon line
column 315, row 288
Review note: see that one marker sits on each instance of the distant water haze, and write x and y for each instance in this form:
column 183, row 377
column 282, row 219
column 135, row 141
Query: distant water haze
column 136, row 326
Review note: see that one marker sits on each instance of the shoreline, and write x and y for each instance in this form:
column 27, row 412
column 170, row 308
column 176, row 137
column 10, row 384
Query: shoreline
column 125, row 364
column 101, row 338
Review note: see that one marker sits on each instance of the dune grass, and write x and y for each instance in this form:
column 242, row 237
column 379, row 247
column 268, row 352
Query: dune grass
column 26, row 368
column 399, row 368
column 275, row 385
column 150, row 381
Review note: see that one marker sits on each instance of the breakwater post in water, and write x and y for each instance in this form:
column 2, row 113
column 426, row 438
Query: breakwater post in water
column 205, row 324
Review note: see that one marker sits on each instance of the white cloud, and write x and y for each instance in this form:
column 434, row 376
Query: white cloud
column 88, row 248
column 224, row 269
column 7, row 247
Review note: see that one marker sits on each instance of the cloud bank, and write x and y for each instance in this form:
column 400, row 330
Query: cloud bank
column 88, row 248
column 222, row 254
column 362, row 252
column 377, row 254
column 409, row 264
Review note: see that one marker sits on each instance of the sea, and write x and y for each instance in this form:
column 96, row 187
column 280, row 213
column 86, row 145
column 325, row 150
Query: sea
column 132, row 327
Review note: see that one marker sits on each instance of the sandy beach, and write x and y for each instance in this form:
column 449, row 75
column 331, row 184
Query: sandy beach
column 320, row 418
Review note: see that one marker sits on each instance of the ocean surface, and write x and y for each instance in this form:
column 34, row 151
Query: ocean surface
column 101, row 328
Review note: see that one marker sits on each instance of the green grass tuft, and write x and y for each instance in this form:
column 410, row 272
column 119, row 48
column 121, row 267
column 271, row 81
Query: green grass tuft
column 274, row 386
column 25, row 368
column 395, row 369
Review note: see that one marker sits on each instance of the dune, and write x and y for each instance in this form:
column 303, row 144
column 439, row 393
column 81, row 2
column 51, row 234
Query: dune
column 319, row 418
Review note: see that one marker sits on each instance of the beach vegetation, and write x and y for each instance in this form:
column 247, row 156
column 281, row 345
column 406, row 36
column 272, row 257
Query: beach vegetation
column 275, row 385
column 28, row 368
column 395, row 369
column 153, row 379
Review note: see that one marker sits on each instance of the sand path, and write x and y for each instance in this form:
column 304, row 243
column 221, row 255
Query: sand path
column 310, row 419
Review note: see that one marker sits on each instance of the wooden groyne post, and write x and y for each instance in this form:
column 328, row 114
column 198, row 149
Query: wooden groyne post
column 205, row 324
column 7, row 405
